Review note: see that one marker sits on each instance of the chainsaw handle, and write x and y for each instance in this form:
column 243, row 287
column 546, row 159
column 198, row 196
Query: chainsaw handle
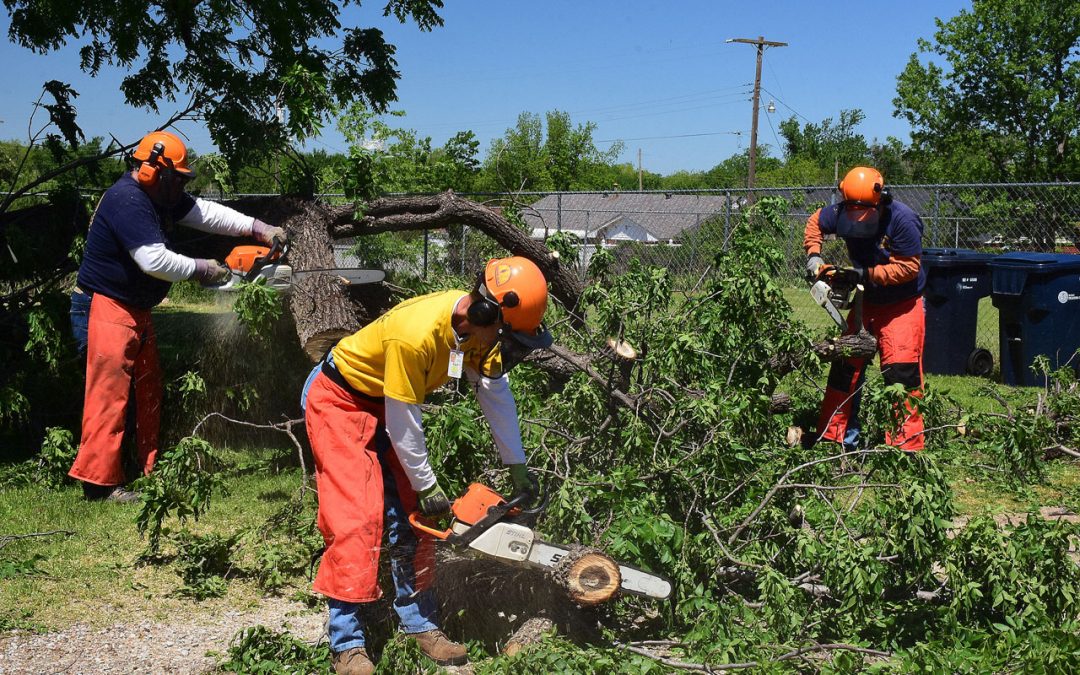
column 522, row 498
column 416, row 520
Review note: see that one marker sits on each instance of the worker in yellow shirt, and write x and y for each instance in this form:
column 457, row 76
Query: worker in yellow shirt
column 362, row 408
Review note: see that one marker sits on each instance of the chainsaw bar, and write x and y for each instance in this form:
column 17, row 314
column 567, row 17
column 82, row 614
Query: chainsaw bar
column 282, row 277
column 634, row 581
column 821, row 292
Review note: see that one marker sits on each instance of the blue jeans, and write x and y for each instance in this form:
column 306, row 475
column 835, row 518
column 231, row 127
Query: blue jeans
column 854, row 425
column 415, row 609
column 80, row 320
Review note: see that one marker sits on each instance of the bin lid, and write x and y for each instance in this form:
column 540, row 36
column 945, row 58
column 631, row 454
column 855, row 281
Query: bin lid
column 1011, row 270
column 1037, row 262
column 955, row 257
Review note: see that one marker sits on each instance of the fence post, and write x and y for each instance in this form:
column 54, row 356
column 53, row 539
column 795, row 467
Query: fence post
column 727, row 218
column 937, row 212
column 426, row 232
column 558, row 212
column 464, row 236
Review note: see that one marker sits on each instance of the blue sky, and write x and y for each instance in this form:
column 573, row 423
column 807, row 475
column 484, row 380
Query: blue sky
column 656, row 74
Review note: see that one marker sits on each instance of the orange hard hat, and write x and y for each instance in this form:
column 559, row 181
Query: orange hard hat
column 520, row 289
column 862, row 186
column 173, row 153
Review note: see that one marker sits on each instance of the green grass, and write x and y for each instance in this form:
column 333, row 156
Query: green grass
column 92, row 576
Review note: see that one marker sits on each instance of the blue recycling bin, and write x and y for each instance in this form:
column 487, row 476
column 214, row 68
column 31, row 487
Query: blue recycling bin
column 1038, row 301
column 956, row 279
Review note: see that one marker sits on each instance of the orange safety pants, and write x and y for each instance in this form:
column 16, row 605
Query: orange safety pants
column 121, row 350
column 900, row 328
column 359, row 478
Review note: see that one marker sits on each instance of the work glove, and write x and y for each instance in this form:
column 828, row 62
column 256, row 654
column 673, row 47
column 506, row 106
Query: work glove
column 524, row 480
column 268, row 234
column 210, row 272
column 859, row 272
column 813, row 264
column 433, row 501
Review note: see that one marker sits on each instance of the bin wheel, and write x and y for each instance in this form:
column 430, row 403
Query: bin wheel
column 980, row 363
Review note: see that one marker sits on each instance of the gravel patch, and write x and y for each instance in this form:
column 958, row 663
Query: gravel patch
column 150, row 647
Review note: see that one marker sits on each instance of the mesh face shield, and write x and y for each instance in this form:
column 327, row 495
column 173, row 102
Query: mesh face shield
column 858, row 220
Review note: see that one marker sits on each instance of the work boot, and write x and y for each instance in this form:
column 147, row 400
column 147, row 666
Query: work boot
column 353, row 661
column 122, row 496
column 108, row 493
column 441, row 649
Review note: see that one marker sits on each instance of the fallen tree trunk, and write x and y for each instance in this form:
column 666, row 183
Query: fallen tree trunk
column 432, row 212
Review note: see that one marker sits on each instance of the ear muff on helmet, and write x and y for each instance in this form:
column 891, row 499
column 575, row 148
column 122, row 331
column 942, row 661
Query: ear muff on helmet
column 486, row 310
column 149, row 170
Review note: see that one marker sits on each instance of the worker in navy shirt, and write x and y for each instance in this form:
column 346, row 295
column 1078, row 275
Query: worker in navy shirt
column 127, row 269
column 884, row 242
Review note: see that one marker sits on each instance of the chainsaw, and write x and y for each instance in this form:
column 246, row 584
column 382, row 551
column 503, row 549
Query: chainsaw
column 249, row 263
column 483, row 521
column 838, row 288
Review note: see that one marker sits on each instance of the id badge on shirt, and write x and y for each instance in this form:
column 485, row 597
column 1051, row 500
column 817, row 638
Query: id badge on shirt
column 457, row 363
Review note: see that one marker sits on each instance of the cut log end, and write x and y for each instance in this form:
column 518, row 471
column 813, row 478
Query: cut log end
column 530, row 633
column 622, row 349
column 589, row 577
column 317, row 345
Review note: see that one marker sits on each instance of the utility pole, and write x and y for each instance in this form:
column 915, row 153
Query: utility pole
column 761, row 43
column 639, row 169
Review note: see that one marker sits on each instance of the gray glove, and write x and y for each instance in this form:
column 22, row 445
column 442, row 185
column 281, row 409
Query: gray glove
column 433, row 501
column 267, row 234
column 210, row 272
column 812, row 264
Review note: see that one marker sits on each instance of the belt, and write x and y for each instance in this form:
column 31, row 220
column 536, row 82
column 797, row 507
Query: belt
column 80, row 291
column 337, row 378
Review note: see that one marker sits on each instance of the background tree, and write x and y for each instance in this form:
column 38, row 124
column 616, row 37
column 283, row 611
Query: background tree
column 549, row 154
column 238, row 63
column 1004, row 104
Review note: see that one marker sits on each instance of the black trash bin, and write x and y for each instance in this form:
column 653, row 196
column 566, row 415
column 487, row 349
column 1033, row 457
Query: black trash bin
column 956, row 279
column 1038, row 301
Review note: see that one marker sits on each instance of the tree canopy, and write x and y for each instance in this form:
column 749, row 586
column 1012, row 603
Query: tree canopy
column 1004, row 104
column 237, row 62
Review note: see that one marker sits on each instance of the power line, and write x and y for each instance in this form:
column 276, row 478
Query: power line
column 781, row 102
column 653, row 138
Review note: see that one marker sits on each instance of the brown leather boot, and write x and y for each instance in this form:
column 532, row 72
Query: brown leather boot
column 353, row 661
column 441, row 649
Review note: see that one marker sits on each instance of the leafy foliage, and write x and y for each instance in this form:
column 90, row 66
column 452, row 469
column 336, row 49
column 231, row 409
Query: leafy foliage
column 181, row 485
column 238, row 61
column 261, row 650
column 257, row 306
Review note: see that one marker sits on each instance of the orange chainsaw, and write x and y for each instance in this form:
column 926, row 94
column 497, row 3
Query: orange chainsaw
column 249, row 263
column 483, row 521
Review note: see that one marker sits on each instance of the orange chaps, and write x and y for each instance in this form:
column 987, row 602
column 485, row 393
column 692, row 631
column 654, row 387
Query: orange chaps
column 360, row 480
column 899, row 328
column 121, row 349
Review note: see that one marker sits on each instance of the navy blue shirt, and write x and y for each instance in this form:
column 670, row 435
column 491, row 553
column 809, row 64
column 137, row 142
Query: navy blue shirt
column 126, row 219
column 899, row 232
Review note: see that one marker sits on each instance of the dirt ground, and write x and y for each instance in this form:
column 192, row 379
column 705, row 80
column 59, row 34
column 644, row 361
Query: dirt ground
column 178, row 646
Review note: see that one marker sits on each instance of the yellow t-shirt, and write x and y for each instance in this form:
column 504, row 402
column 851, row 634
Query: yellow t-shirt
column 405, row 353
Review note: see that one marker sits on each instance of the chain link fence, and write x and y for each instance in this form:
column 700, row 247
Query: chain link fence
column 684, row 230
